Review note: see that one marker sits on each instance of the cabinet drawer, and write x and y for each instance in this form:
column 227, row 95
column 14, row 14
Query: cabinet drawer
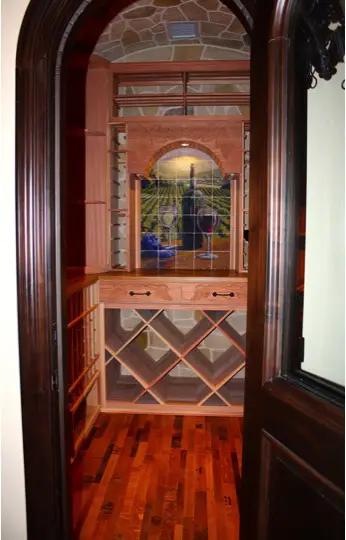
column 139, row 292
column 232, row 294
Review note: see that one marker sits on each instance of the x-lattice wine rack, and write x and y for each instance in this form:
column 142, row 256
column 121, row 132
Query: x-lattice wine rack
column 158, row 358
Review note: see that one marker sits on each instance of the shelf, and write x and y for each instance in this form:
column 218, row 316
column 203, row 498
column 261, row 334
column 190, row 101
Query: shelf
column 214, row 401
column 148, row 356
column 84, row 416
column 216, row 316
column 119, row 151
column 94, row 133
column 233, row 390
column 120, row 211
column 215, row 370
column 173, row 356
column 234, row 327
column 181, row 330
column 147, row 399
column 121, row 325
column 120, row 384
column 118, row 196
column 174, row 388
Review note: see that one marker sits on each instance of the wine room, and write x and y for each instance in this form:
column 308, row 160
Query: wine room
column 157, row 225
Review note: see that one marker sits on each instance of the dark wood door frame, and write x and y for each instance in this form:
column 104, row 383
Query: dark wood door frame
column 62, row 33
column 52, row 34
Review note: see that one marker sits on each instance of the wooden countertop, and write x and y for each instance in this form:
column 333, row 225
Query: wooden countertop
column 188, row 275
column 76, row 283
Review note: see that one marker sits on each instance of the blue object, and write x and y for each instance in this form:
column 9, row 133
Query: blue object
column 151, row 247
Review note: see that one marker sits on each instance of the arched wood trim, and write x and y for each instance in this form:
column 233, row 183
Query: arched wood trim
column 178, row 144
column 55, row 35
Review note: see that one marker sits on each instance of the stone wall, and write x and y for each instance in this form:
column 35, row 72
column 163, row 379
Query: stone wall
column 141, row 33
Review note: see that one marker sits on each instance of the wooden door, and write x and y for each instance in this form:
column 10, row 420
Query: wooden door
column 293, row 462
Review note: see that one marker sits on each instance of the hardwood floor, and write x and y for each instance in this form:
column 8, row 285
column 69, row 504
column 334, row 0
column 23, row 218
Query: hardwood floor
column 146, row 477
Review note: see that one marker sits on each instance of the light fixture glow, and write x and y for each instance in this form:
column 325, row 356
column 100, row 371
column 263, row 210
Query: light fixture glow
column 184, row 144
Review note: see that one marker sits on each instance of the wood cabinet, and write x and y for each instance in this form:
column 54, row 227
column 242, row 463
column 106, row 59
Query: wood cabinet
column 177, row 292
column 174, row 344
column 119, row 150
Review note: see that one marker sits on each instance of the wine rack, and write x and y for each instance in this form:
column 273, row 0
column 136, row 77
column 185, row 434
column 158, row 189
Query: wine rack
column 84, row 361
column 161, row 358
column 118, row 197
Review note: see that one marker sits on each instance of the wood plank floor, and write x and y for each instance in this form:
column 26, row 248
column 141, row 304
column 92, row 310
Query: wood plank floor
column 163, row 477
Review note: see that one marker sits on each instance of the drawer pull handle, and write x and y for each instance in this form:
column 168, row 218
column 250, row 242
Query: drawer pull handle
column 231, row 294
column 132, row 293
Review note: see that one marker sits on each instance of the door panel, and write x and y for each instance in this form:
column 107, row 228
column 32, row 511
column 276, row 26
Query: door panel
column 307, row 425
column 315, row 507
column 293, row 459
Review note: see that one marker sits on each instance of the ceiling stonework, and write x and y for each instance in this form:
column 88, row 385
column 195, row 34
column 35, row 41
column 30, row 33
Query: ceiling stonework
column 140, row 31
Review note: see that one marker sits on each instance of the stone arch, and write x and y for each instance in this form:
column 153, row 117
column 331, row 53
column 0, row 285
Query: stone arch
column 178, row 144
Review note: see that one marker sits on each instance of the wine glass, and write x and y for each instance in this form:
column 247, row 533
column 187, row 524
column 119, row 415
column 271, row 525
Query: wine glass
column 207, row 220
column 168, row 218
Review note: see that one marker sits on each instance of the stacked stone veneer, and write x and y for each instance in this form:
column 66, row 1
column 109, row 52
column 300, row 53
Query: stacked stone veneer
column 140, row 33
column 143, row 27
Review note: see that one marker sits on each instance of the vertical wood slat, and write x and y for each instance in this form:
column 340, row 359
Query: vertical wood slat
column 96, row 168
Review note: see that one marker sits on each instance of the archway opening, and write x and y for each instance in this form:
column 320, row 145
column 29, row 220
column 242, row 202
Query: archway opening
column 70, row 126
column 163, row 196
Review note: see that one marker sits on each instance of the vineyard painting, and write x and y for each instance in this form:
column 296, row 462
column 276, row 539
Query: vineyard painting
column 185, row 213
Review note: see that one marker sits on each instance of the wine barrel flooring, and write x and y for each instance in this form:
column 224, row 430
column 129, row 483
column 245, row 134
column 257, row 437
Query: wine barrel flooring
column 148, row 477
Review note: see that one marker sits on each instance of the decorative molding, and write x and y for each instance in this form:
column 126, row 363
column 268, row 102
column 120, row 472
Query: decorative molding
column 177, row 144
column 222, row 140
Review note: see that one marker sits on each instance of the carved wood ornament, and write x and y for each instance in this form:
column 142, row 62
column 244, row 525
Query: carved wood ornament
column 323, row 34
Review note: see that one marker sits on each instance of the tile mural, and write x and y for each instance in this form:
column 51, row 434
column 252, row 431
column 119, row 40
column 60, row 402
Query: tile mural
column 185, row 213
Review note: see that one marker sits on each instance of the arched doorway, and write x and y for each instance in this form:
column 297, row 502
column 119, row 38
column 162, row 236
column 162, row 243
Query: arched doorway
column 55, row 43
column 308, row 420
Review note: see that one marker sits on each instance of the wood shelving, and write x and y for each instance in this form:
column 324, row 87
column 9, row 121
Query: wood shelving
column 118, row 198
column 158, row 357
column 184, row 352
column 84, row 360
column 233, row 391
column 174, row 388
column 215, row 372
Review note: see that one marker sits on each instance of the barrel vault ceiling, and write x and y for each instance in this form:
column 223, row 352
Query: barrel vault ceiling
column 143, row 32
